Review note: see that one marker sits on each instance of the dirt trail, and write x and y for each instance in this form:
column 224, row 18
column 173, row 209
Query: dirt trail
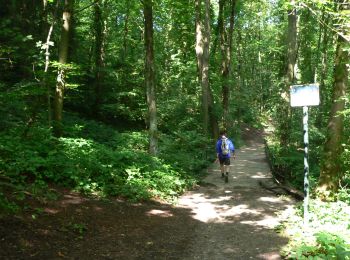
column 218, row 220
column 239, row 216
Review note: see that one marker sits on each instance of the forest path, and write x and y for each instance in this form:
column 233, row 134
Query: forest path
column 217, row 220
column 239, row 216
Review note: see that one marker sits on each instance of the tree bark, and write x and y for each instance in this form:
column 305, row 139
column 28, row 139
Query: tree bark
column 284, row 109
column 47, row 63
column 150, row 78
column 292, row 46
column 240, row 74
column 205, row 68
column 100, row 35
column 202, row 53
column 331, row 172
column 199, row 38
column 62, row 59
column 226, row 52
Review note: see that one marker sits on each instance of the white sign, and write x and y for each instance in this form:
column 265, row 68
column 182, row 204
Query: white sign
column 304, row 95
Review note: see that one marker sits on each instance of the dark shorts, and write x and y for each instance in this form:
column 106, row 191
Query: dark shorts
column 224, row 161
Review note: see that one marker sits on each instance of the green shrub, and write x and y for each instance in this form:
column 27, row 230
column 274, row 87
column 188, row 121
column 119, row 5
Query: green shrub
column 327, row 235
column 94, row 158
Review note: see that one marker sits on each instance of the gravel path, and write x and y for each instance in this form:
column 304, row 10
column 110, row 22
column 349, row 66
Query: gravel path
column 238, row 217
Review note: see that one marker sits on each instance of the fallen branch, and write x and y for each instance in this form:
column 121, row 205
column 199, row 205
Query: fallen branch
column 287, row 190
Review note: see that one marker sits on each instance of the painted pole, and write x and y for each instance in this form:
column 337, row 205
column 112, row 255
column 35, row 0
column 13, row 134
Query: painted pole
column 306, row 165
column 305, row 96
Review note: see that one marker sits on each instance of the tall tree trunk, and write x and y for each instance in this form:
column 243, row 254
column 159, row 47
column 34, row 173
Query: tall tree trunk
column 199, row 38
column 284, row 110
column 62, row 59
column 226, row 49
column 150, row 78
column 205, row 69
column 331, row 173
column 292, row 45
column 46, row 85
column 209, row 117
column 240, row 74
column 202, row 53
column 100, row 34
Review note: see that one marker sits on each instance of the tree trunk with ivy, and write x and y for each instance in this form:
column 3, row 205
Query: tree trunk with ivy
column 331, row 172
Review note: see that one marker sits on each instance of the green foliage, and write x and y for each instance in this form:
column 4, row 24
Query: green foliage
column 187, row 151
column 288, row 161
column 94, row 158
column 79, row 228
column 7, row 206
column 328, row 246
column 109, row 157
column 327, row 235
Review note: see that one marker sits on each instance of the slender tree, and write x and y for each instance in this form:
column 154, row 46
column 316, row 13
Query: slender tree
column 47, row 61
column 205, row 66
column 226, row 53
column 149, row 76
column 100, row 35
column 202, row 54
column 285, row 113
column 62, row 59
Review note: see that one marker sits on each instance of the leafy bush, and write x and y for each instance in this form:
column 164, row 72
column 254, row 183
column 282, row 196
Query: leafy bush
column 327, row 235
column 187, row 151
column 7, row 206
column 286, row 162
column 94, row 158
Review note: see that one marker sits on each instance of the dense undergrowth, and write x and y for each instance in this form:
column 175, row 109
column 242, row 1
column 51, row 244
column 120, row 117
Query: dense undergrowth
column 94, row 158
column 327, row 235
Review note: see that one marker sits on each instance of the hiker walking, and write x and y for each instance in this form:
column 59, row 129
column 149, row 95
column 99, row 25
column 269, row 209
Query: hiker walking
column 224, row 151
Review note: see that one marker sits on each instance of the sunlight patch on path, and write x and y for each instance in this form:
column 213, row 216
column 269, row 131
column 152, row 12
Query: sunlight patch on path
column 159, row 213
column 239, row 216
column 215, row 210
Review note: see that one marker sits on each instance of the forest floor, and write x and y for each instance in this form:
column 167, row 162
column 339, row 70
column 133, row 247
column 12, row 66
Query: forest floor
column 216, row 220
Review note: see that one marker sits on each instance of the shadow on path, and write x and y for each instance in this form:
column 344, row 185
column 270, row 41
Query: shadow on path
column 238, row 218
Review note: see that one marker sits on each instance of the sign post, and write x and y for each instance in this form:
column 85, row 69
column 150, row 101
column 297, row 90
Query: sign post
column 304, row 96
column 306, row 163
